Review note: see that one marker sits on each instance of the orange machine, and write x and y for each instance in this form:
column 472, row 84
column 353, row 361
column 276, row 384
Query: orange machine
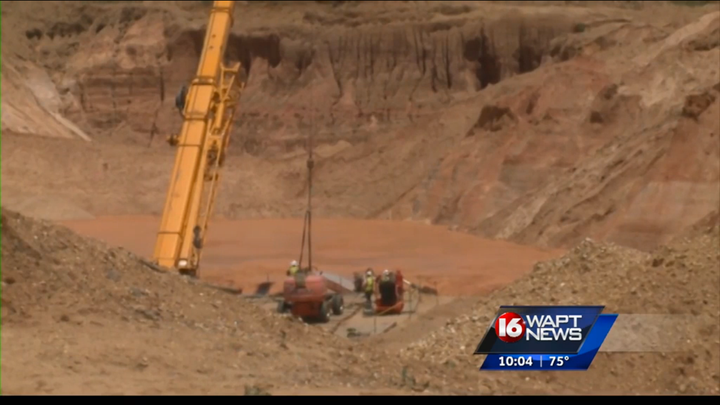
column 307, row 296
column 390, row 294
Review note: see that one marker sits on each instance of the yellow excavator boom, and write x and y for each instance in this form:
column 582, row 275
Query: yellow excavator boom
column 208, row 116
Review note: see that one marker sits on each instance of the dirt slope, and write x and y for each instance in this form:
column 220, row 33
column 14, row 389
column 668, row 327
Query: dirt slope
column 81, row 318
column 31, row 103
column 660, row 170
column 510, row 121
column 682, row 279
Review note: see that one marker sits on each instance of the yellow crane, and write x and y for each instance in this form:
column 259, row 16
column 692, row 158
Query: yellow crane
column 208, row 114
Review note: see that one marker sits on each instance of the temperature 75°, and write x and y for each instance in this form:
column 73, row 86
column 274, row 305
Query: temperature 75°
column 558, row 361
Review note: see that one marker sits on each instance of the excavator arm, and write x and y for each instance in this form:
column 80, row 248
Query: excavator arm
column 208, row 117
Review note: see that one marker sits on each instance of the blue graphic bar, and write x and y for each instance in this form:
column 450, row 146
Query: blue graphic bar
column 580, row 361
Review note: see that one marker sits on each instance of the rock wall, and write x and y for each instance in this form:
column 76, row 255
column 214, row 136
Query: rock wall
column 352, row 80
column 31, row 103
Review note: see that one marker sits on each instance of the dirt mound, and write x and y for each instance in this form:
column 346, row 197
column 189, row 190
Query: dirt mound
column 678, row 279
column 79, row 317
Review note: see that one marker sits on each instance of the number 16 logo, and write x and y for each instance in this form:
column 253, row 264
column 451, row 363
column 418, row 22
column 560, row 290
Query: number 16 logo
column 509, row 327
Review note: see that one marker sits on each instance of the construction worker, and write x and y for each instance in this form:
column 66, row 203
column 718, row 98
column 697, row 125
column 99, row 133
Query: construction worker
column 180, row 99
column 386, row 275
column 294, row 268
column 369, row 288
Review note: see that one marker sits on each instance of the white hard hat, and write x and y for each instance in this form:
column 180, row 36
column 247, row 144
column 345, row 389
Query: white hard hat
column 293, row 263
column 386, row 271
column 368, row 272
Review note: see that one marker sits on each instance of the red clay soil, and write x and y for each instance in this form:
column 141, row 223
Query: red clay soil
column 248, row 252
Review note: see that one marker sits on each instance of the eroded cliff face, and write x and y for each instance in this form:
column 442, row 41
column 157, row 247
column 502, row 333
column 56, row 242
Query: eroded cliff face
column 619, row 144
column 353, row 81
column 31, row 103
column 362, row 80
column 539, row 125
column 658, row 171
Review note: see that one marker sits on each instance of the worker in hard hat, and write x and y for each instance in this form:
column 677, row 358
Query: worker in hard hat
column 369, row 287
column 294, row 268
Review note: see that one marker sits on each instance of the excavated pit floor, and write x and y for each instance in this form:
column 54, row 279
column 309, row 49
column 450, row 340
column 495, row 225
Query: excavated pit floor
column 245, row 253
column 354, row 323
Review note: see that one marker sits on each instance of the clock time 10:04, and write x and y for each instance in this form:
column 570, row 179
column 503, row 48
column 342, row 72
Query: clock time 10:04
column 519, row 361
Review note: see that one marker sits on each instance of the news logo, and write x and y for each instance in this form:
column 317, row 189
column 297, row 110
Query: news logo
column 510, row 327
column 542, row 337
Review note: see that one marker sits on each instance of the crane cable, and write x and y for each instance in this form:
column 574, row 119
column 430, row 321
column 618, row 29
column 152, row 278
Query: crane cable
column 307, row 223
